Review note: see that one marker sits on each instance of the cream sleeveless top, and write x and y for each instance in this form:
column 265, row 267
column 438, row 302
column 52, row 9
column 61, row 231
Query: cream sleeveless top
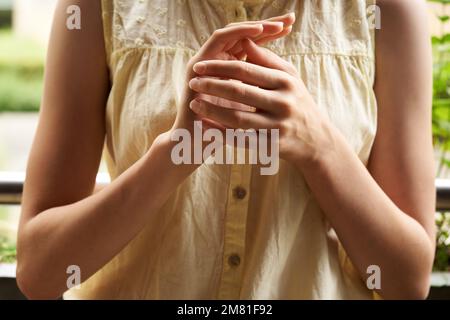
column 228, row 232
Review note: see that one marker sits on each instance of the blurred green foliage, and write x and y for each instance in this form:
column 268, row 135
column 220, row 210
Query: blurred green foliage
column 441, row 96
column 441, row 128
column 7, row 251
column 442, row 259
column 21, row 73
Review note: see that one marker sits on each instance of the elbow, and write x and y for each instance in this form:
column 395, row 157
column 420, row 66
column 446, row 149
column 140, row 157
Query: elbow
column 412, row 291
column 411, row 278
column 26, row 283
column 409, row 286
column 31, row 285
column 421, row 293
column 32, row 275
column 418, row 291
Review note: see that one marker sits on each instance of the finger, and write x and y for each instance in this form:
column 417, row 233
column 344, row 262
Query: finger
column 210, row 124
column 264, row 57
column 230, row 118
column 224, row 103
column 221, row 38
column 270, row 28
column 287, row 19
column 248, row 73
column 261, row 41
column 266, row 39
column 238, row 92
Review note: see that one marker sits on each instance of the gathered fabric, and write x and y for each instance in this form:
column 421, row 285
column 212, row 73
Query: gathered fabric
column 227, row 232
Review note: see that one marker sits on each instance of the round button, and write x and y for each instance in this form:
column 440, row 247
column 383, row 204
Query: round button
column 234, row 260
column 239, row 193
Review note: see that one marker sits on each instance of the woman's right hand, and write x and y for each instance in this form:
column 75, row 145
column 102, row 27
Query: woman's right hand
column 225, row 44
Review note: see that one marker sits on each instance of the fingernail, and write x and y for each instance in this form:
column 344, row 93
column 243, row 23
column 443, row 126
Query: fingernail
column 194, row 105
column 279, row 23
column 194, row 83
column 200, row 67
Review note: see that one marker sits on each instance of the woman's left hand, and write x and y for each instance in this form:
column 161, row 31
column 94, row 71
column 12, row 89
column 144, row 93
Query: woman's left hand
column 274, row 97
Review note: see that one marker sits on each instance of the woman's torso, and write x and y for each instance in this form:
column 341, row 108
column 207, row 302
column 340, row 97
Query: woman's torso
column 228, row 232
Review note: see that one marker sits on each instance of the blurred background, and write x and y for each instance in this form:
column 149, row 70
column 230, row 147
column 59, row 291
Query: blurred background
column 24, row 32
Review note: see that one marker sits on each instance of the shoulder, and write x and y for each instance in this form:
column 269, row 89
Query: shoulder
column 78, row 23
column 402, row 5
column 403, row 13
column 403, row 62
column 403, row 82
column 404, row 31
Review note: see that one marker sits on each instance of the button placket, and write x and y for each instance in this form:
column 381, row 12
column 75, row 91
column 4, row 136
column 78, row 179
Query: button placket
column 235, row 232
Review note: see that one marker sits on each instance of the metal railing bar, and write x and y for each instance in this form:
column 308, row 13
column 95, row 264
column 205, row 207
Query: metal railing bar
column 11, row 187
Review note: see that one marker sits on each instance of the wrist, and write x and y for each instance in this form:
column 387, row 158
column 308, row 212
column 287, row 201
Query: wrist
column 328, row 142
column 163, row 149
column 162, row 142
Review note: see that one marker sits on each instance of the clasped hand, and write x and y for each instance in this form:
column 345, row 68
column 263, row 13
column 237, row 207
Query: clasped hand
column 235, row 83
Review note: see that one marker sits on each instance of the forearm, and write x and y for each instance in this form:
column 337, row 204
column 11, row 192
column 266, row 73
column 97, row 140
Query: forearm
column 92, row 231
column 372, row 229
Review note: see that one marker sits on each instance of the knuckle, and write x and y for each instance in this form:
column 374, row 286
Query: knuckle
column 288, row 128
column 239, row 119
column 246, row 69
column 238, row 90
column 285, row 81
column 206, row 111
column 235, row 68
column 284, row 103
column 206, row 85
column 284, row 127
column 238, row 70
column 293, row 70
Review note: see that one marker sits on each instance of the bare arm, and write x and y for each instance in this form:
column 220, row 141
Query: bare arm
column 385, row 216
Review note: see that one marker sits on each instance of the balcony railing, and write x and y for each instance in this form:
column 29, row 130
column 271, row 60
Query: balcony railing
column 11, row 186
column 442, row 195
